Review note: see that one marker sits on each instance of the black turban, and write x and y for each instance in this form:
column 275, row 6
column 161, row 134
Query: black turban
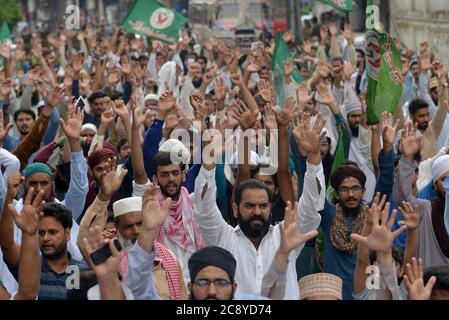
column 344, row 172
column 212, row 256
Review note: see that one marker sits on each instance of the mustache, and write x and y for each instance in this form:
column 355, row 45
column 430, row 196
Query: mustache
column 351, row 199
column 256, row 218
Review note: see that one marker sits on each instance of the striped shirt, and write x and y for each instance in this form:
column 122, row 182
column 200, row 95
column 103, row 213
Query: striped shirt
column 53, row 285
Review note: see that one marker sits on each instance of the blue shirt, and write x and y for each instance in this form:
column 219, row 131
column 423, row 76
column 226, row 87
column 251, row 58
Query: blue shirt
column 53, row 285
column 341, row 263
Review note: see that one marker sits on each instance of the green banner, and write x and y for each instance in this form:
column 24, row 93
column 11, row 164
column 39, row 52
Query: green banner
column 150, row 18
column 340, row 5
column 384, row 73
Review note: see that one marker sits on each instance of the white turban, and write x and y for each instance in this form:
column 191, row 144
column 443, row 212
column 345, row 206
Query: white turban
column 352, row 106
column 127, row 205
column 440, row 167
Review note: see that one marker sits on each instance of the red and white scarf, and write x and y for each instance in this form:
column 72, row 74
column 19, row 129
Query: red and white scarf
column 179, row 225
column 172, row 272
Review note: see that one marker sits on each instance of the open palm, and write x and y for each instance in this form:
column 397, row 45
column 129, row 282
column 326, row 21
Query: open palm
column 153, row 213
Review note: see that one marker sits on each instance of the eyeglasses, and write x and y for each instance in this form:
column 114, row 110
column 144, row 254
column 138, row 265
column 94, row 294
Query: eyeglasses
column 219, row 283
column 353, row 189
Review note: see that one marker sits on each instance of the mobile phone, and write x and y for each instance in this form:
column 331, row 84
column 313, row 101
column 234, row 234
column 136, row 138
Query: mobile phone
column 81, row 103
column 99, row 256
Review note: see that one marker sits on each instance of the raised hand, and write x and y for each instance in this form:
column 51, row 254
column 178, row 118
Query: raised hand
column 309, row 137
column 302, row 95
column 348, row 34
column 113, row 76
column 417, row 289
column 220, row 88
column 153, row 213
column 95, row 241
column 409, row 142
column 326, row 96
column 77, row 63
column 388, row 130
column 247, row 118
column 264, row 90
column 110, row 182
column 333, row 29
column 198, row 105
column 5, row 88
column 269, row 117
column 285, row 115
column 236, row 79
column 288, row 68
column 5, row 52
column 167, row 101
column 348, row 70
column 125, row 65
column 120, row 109
column 4, row 130
column 138, row 116
column 381, row 237
column 291, row 238
column 232, row 120
column 15, row 181
column 410, row 214
column 107, row 118
column 55, row 96
column 72, row 127
column 28, row 219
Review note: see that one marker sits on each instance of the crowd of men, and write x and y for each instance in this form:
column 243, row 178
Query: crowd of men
column 97, row 183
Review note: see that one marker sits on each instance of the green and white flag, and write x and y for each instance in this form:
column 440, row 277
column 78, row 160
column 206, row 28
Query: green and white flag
column 384, row 73
column 150, row 18
column 340, row 5
column 280, row 56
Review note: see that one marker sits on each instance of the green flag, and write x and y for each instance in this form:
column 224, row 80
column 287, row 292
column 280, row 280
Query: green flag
column 340, row 156
column 150, row 18
column 4, row 32
column 280, row 56
column 340, row 5
column 384, row 73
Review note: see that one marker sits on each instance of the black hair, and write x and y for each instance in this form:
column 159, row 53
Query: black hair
column 96, row 95
column 335, row 59
column 120, row 144
column 116, row 95
column 413, row 63
column 417, row 104
column 396, row 252
column 442, row 275
column 27, row 111
column 163, row 159
column 202, row 58
column 362, row 53
column 60, row 212
column 250, row 184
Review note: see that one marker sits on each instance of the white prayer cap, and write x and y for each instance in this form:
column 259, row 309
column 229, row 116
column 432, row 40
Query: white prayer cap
column 151, row 96
column 352, row 106
column 178, row 151
column 440, row 167
column 89, row 126
column 127, row 205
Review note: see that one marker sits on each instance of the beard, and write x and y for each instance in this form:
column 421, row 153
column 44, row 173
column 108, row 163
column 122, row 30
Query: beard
column 168, row 194
column 350, row 212
column 197, row 83
column 354, row 130
column 423, row 126
column 59, row 251
column 254, row 232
